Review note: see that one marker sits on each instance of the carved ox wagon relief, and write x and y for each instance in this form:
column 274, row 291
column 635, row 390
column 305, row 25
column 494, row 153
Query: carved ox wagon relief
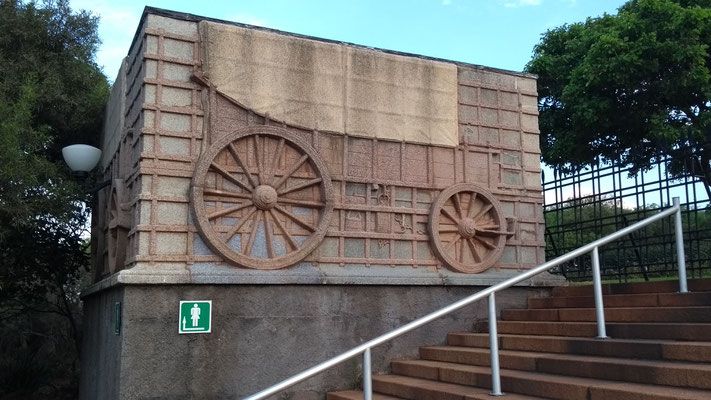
column 328, row 153
column 264, row 197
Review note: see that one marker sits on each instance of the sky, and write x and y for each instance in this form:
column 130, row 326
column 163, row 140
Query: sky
column 494, row 33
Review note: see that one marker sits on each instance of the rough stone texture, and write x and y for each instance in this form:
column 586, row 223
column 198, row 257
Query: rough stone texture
column 114, row 122
column 260, row 335
column 101, row 347
column 333, row 87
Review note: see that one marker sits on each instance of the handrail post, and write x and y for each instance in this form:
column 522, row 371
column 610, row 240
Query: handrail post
column 367, row 376
column 680, row 257
column 597, row 288
column 494, row 348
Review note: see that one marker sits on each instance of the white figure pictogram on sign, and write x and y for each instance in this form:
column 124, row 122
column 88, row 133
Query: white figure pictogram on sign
column 195, row 314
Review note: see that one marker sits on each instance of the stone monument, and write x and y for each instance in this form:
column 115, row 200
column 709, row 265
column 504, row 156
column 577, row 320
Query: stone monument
column 317, row 193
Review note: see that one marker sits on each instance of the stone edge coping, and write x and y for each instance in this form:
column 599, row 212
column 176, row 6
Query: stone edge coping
column 305, row 274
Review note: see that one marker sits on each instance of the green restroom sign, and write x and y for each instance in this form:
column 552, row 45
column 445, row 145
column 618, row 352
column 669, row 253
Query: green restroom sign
column 195, row 316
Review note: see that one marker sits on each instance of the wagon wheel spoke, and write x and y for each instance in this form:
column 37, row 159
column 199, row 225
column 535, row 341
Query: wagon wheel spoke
column 295, row 218
column 483, row 212
column 303, row 203
column 488, row 227
column 247, row 250
column 225, row 193
column 283, row 230
column 457, row 205
column 235, row 155
column 268, row 235
column 450, row 244
column 490, row 233
column 241, row 223
column 228, row 176
column 449, row 215
column 275, row 160
column 300, row 186
column 291, row 170
column 461, row 249
column 258, row 156
column 470, row 210
column 227, row 210
column 448, row 229
column 475, row 253
column 485, row 243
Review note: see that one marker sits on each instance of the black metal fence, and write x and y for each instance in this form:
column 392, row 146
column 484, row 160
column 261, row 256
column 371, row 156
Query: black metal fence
column 584, row 206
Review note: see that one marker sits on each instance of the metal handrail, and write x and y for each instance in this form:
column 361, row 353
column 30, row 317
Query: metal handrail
column 489, row 292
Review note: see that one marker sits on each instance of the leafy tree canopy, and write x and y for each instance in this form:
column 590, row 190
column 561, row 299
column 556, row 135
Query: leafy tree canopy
column 51, row 94
column 626, row 87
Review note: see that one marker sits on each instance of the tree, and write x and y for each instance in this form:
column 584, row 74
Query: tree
column 629, row 88
column 52, row 94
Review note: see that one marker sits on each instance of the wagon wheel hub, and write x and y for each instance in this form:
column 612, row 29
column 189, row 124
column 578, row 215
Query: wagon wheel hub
column 467, row 228
column 264, row 197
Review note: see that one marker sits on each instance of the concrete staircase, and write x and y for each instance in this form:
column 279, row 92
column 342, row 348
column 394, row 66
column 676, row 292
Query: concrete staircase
column 660, row 348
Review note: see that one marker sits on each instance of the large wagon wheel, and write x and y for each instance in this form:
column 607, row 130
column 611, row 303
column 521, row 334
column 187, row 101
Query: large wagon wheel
column 467, row 228
column 262, row 197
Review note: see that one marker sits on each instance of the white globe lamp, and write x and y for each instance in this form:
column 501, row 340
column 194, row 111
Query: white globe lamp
column 81, row 158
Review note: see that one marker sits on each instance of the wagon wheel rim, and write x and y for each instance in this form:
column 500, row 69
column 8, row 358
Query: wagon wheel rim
column 467, row 228
column 262, row 198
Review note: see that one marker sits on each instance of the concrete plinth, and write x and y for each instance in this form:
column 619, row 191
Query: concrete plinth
column 261, row 334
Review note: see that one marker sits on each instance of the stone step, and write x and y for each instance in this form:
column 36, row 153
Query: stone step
column 640, row 330
column 670, row 373
column 694, row 285
column 625, row 300
column 631, row 314
column 625, row 348
column 541, row 384
column 415, row 388
column 357, row 395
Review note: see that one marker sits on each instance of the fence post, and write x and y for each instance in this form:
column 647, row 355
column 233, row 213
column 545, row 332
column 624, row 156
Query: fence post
column 494, row 348
column 597, row 288
column 367, row 376
column 680, row 257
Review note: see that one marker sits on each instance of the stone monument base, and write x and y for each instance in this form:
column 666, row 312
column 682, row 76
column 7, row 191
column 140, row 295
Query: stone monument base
column 261, row 334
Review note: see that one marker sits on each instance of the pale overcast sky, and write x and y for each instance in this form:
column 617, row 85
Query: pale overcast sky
column 494, row 33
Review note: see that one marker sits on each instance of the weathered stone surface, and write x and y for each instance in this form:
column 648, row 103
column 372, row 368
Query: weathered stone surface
column 176, row 97
column 333, row 87
column 295, row 326
column 172, row 25
column 101, row 347
column 178, row 49
column 175, row 122
column 115, row 114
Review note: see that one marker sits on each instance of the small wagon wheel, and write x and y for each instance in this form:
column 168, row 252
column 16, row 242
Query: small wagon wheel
column 467, row 228
column 262, row 197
